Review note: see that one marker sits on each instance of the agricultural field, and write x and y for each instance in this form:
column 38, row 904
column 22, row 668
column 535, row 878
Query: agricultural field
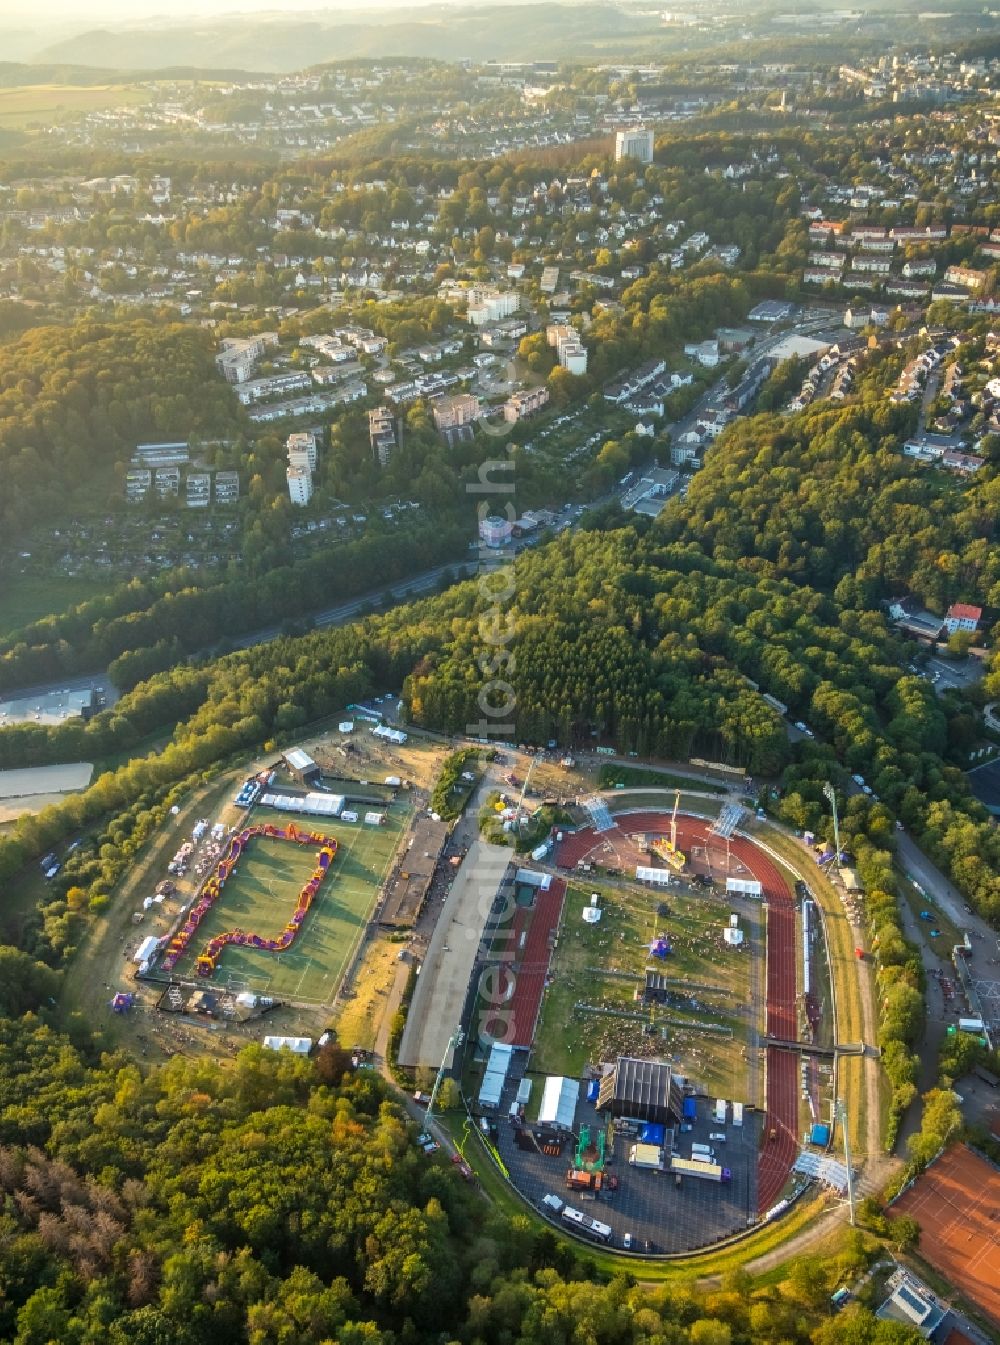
column 260, row 897
column 46, row 104
column 604, row 965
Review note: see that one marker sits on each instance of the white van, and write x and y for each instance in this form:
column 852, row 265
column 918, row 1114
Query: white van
column 718, row 1137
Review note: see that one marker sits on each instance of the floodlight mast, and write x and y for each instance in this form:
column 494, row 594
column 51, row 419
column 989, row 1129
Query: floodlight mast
column 842, row 1118
column 524, row 790
column 456, row 1039
column 830, row 795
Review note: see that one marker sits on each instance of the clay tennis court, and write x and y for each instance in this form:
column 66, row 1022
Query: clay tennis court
column 956, row 1202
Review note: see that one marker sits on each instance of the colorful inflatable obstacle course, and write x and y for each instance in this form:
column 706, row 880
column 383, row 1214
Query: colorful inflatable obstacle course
column 208, row 960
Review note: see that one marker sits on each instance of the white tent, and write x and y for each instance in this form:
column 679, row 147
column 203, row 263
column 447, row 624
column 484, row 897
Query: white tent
column 299, row 1045
column 645, row 874
column 496, row 1074
column 146, row 949
column 559, row 1100
column 320, row 805
column 744, row 887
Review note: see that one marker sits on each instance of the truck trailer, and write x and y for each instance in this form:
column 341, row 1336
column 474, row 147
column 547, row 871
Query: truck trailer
column 646, row 1156
column 579, row 1180
column 583, row 1223
column 708, row 1172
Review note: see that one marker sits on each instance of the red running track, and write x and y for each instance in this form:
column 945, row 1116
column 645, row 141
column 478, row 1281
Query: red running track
column 782, row 1114
column 533, row 965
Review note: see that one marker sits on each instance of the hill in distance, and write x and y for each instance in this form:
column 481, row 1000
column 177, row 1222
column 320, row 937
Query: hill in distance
column 285, row 42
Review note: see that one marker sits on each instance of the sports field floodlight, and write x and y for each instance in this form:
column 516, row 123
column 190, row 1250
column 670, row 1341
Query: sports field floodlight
column 842, row 1118
column 456, row 1039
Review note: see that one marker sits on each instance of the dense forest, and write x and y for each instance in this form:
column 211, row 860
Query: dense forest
column 75, row 401
column 278, row 1200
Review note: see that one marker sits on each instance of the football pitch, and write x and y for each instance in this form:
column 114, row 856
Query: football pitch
column 260, row 897
column 593, row 1008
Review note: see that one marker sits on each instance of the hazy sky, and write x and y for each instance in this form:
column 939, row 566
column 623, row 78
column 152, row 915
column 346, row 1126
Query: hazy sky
column 90, row 12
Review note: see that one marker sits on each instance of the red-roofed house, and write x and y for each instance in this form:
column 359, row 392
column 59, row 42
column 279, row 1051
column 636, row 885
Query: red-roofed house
column 960, row 616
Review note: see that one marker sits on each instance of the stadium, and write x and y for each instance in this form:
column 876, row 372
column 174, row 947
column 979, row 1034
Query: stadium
column 598, row 1077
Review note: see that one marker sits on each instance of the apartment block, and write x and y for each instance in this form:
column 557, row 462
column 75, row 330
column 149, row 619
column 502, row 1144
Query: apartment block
column 198, row 490
column 168, row 481
column 238, row 356
column 451, row 412
column 300, row 487
column 523, row 404
column 227, row 487
column 138, row 483
column 570, row 350
column 382, row 434
column 636, row 143
column 490, row 305
column 301, row 449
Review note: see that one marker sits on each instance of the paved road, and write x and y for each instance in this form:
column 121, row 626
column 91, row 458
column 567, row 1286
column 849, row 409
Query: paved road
column 936, row 1016
column 346, row 611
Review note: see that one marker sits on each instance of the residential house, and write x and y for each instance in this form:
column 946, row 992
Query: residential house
column 962, row 616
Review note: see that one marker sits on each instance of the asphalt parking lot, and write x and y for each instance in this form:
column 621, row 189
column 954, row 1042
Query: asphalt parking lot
column 649, row 1205
column 962, row 673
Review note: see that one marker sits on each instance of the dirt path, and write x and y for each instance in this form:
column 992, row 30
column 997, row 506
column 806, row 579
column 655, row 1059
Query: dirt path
column 391, row 1005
